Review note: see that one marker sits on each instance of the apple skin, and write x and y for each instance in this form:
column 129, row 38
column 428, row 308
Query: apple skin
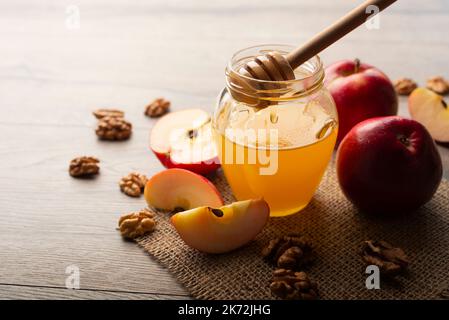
column 360, row 92
column 202, row 168
column 388, row 165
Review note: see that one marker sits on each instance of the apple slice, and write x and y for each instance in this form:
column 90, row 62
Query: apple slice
column 430, row 109
column 222, row 230
column 178, row 188
column 183, row 139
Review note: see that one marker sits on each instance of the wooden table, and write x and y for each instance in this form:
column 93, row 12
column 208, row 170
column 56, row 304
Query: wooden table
column 124, row 54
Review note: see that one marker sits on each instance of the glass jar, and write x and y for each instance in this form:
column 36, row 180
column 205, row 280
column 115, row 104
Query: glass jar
column 277, row 141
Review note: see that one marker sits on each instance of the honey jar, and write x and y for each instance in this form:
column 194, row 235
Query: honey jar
column 277, row 140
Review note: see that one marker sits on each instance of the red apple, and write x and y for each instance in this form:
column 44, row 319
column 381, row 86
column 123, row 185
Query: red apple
column 360, row 92
column 183, row 139
column 388, row 165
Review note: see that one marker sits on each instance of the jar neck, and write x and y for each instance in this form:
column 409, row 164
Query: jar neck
column 309, row 78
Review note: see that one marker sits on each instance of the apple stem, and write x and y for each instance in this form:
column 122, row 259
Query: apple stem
column 356, row 65
column 444, row 104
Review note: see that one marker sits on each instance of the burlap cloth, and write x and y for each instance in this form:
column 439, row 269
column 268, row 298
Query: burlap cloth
column 337, row 229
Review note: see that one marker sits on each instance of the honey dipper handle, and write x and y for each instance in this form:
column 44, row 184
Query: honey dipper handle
column 335, row 32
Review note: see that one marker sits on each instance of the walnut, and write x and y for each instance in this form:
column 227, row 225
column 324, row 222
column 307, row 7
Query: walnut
column 84, row 167
column 137, row 224
column 113, row 128
column 157, row 108
column 290, row 252
column 291, row 285
column 438, row 85
column 101, row 113
column 390, row 260
column 404, row 86
column 133, row 184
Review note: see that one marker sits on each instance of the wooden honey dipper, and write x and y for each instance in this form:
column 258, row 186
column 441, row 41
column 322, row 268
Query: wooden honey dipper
column 274, row 66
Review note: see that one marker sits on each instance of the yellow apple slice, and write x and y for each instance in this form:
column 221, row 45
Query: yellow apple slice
column 430, row 109
column 179, row 188
column 212, row 230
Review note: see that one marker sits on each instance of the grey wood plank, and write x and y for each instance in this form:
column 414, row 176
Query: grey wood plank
column 14, row 292
column 50, row 220
column 125, row 54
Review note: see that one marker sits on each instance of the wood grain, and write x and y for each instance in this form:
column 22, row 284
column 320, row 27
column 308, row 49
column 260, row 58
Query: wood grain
column 39, row 293
column 125, row 54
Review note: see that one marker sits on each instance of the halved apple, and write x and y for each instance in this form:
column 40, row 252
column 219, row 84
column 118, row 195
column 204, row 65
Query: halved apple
column 180, row 189
column 212, row 230
column 430, row 109
column 183, row 139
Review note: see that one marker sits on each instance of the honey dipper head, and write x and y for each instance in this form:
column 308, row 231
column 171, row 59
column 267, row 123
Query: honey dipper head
column 271, row 66
column 255, row 78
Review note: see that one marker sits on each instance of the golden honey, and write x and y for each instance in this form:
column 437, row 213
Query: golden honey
column 284, row 169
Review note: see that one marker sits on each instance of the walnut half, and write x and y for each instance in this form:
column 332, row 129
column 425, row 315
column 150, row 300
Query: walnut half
column 404, row 86
column 290, row 285
column 133, row 184
column 101, row 113
column 390, row 260
column 137, row 224
column 113, row 128
column 438, row 85
column 157, row 108
column 84, row 167
column 290, row 252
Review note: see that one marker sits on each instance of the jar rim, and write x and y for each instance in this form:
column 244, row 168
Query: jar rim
column 315, row 61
